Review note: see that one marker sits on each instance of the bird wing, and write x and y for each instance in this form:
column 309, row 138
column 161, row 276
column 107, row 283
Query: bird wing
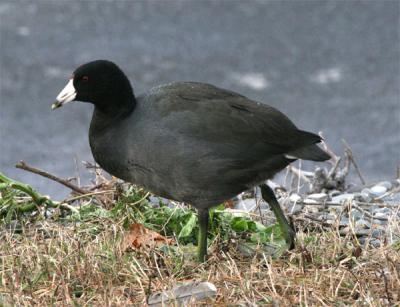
column 224, row 118
column 213, row 143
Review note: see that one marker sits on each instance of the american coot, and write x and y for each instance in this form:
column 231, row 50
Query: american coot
column 187, row 141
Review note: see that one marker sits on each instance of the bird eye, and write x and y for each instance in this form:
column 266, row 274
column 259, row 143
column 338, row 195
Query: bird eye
column 85, row 78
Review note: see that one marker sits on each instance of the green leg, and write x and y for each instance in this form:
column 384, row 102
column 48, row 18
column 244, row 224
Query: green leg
column 288, row 232
column 202, row 245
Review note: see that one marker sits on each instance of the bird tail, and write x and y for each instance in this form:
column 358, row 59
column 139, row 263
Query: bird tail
column 310, row 151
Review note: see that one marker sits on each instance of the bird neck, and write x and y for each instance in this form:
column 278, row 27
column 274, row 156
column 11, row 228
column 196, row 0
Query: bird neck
column 104, row 117
column 116, row 102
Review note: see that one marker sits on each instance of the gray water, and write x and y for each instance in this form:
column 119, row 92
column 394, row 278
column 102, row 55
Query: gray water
column 331, row 66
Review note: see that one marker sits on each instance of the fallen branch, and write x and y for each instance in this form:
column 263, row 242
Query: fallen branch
column 300, row 174
column 328, row 150
column 26, row 167
column 71, row 199
column 349, row 152
column 334, row 169
column 308, row 217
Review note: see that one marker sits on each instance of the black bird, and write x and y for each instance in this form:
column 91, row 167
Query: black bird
column 187, row 141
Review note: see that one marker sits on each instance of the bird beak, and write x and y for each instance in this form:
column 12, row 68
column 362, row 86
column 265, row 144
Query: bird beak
column 67, row 94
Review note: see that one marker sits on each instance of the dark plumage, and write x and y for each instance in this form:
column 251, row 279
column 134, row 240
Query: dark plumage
column 187, row 141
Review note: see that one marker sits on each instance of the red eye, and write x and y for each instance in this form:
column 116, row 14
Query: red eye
column 85, row 78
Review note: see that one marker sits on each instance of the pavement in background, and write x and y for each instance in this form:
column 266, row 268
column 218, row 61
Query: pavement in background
column 332, row 66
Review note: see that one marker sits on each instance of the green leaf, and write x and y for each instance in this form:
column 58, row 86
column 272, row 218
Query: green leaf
column 258, row 227
column 260, row 237
column 268, row 234
column 11, row 212
column 396, row 245
column 189, row 226
column 275, row 230
column 239, row 224
column 90, row 211
column 310, row 240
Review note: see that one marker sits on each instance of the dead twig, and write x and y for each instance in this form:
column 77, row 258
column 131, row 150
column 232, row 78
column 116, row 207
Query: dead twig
column 367, row 214
column 388, row 296
column 349, row 152
column 300, row 174
column 140, row 200
column 71, row 199
column 328, row 150
column 26, row 167
column 308, row 217
column 332, row 172
column 71, row 208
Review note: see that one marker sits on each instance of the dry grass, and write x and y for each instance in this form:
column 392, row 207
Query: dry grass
column 83, row 264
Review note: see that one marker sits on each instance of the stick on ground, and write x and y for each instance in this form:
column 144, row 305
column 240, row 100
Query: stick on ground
column 351, row 157
column 26, row 167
